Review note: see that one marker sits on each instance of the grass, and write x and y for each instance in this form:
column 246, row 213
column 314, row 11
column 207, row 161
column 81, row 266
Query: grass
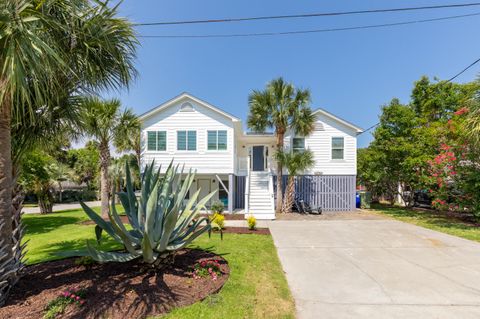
column 431, row 220
column 257, row 287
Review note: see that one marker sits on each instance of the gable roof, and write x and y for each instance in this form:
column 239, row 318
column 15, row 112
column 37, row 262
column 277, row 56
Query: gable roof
column 357, row 129
column 186, row 95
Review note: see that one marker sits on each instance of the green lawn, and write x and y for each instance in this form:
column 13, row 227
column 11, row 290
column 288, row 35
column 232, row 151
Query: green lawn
column 257, row 287
column 431, row 220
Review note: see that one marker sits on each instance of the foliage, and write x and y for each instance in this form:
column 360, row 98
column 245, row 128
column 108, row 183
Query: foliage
column 51, row 52
column 217, row 221
column 281, row 107
column 294, row 162
column 117, row 172
column 85, row 163
column 408, row 138
column 57, row 306
column 256, row 272
column 252, row 222
column 161, row 224
column 206, row 268
column 106, row 123
column 217, row 207
column 38, row 176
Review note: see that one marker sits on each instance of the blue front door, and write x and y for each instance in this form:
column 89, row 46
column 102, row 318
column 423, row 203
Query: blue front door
column 258, row 160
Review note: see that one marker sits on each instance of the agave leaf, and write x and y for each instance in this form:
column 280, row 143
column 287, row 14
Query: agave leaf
column 122, row 234
column 117, row 221
column 152, row 206
column 132, row 200
column 132, row 215
column 188, row 240
column 102, row 256
column 186, row 221
column 147, row 250
column 100, row 222
column 98, row 233
column 192, row 228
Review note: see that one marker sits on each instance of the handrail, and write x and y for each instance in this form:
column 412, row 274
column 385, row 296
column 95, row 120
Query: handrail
column 270, row 188
column 247, row 187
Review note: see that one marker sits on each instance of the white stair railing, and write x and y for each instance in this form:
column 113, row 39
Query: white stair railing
column 247, row 188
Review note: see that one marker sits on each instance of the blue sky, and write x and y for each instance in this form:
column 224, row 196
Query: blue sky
column 350, row 73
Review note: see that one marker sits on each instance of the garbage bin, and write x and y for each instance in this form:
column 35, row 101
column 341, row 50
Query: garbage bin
column 365, row 199
column 357, row 200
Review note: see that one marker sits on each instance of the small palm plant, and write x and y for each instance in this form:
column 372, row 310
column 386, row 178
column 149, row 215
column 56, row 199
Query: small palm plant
column 295, row 162
column 161, row 223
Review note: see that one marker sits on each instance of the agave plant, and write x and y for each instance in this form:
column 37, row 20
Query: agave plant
column 161, row 222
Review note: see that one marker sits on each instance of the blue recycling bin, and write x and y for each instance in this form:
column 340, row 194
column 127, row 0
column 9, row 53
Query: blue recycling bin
column 357, row 200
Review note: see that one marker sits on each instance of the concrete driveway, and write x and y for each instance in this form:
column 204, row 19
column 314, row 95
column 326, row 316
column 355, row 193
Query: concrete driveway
column 378, row 269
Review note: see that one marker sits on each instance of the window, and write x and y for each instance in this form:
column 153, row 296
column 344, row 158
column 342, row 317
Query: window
column 217, row 140
column 157, row 141
column 186, row 140
column 298, row 144
column 337, row 147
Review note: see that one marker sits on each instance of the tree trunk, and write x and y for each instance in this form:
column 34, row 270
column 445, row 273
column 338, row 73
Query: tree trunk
column 289, row 195
column 6, row 182
column 278, row 204
column 104, row 179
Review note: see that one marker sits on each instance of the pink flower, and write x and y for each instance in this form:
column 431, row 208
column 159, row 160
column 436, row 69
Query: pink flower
column 72, row 296
column 77, row 298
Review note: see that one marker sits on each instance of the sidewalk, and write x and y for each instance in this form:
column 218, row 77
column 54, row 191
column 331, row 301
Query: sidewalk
column 58, row 207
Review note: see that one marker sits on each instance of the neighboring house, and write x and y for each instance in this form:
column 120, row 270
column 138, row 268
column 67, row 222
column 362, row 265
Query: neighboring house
column 239, row 165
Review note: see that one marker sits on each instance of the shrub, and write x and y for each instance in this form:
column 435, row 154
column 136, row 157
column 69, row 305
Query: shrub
column 252, row 222
column 59, row 304
column 217, row 207
column 160, row 221
column 218, row 221
column 206, row 268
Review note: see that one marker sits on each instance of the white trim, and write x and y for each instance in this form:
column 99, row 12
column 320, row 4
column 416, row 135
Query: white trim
column 336, row 118
column 185, row 95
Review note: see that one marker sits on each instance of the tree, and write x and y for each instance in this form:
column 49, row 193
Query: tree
column 38, row 176
column 281, row 107
column 128, row 139
column 105, row 122
column 294, row 162
column 51, row 52
column 85, row 163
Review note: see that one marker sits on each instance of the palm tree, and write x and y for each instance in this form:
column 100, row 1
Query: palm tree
column 128, row 139
column 105, row 122
column 50, row 53
column 294, row 162
column 281, row 107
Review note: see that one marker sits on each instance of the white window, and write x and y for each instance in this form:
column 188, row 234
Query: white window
column 217, row 140
column 187, row 140
column 157, row 141
column 337, row 148
column 298, row 144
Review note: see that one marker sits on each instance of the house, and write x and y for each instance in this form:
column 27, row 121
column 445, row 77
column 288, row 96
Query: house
column 240, row 165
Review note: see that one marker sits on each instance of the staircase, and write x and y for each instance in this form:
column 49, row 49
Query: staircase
column 261, row 196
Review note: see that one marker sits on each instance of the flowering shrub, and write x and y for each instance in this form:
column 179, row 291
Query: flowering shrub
column 252, row 222
column 455, row 170
column 206, row 268
column 59, row 304
column 218, row 221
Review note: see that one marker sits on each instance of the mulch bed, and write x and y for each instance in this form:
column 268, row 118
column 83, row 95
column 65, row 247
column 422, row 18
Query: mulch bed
column 114, row 290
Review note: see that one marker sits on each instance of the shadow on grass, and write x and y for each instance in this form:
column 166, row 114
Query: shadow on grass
column 46, row 223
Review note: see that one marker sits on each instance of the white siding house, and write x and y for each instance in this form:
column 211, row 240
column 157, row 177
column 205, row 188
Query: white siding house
column 239, row 165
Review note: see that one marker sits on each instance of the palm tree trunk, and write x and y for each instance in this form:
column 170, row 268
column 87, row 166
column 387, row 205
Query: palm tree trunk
column 278, row 204
column 6, row 182
column 289, row 195
column 104, row 180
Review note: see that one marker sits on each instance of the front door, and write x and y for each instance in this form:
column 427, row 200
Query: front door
column 258, row 160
